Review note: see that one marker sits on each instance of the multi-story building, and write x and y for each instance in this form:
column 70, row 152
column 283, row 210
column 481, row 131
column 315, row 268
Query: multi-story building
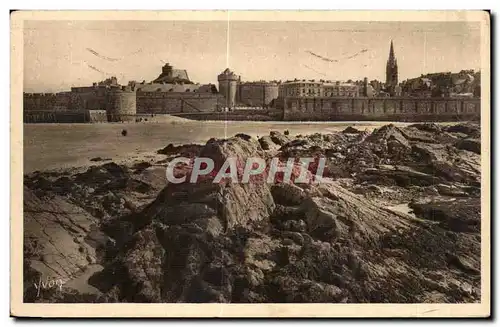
column 300, row 88
column 443, row 84
column 338, row 89
column 311, row 89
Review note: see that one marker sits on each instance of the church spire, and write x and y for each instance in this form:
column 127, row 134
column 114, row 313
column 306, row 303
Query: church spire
column 392, row 56
column 391, row 71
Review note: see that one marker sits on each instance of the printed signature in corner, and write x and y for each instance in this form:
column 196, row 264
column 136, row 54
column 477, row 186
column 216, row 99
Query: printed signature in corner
column 48, row 284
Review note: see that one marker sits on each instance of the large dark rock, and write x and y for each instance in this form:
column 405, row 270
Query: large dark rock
column 462, row 215
column 473, row 145
column 288, row 194
column 386, row 133
column 333, row 214
column 279, row 138
column 267, row 143
column 472, row 130
column 351, row 130
column 187, row 150
column 428, row 127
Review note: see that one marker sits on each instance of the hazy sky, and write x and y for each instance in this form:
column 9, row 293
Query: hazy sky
column 57, row 56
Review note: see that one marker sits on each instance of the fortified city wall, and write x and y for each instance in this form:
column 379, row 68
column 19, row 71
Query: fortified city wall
column 88, row 98
column 257, row 94
column 288, row 109
column 44, row 116
column 383, row 109
column 121, row 106
column 46, row 101
column 168, row 103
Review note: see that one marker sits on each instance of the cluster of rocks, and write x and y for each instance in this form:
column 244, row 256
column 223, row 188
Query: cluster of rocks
column 338, row 241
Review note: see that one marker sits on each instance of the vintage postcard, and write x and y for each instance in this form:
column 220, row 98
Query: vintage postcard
column 250, row 164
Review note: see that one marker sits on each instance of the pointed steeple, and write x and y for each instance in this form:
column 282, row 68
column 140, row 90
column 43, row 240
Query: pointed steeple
column 391, row 71
column 392, row 56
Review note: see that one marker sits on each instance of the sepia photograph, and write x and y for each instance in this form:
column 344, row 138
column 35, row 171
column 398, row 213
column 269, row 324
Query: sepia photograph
column 301, row 163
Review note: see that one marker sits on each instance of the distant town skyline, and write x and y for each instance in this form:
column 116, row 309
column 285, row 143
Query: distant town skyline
column 62, row 54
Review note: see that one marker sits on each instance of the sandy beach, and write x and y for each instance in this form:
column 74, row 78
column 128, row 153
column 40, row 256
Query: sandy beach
column 56, row 146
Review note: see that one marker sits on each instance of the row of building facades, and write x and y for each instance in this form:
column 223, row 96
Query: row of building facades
column 173, row 92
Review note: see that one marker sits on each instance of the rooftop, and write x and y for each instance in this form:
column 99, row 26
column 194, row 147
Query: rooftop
column 175, row 87
column 171, row 75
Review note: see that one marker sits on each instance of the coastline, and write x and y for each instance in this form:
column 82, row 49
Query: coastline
column 348, row 230
column 65, row 145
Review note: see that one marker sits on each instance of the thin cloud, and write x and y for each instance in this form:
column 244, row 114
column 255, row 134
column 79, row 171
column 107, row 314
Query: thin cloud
column 321, row 57
column 95, row 53
column 94, row 68
column 336, row 60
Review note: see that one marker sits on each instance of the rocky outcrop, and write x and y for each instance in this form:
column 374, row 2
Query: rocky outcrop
column 274, row 140
column 267, row 143
column 278, row 138
column 469, row 129
column 473, row 145
column 188, row 150
column 351, row 130
column 335, row 214
column 337, row 241
column 60, row 241
column 462, row 215
column 55, row 234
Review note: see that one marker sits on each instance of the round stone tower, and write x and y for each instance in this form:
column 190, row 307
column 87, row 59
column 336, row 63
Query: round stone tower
column 270, row 93
column 228, row 85
column 121, row 104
